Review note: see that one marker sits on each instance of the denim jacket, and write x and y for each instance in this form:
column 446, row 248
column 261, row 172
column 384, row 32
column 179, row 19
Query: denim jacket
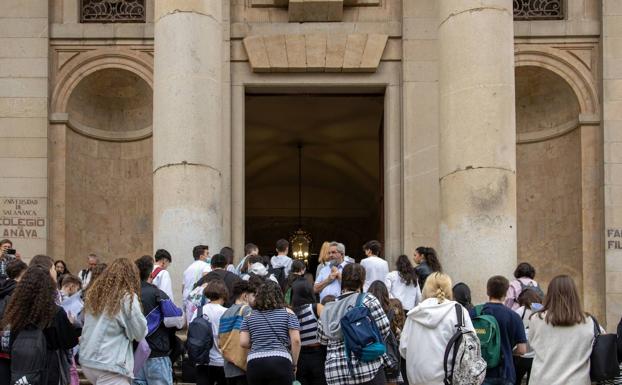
column 106, row 342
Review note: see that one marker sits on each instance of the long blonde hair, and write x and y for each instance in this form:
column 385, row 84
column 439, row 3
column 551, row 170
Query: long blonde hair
column 437, row 285
column 323, row 258
column 107, row 292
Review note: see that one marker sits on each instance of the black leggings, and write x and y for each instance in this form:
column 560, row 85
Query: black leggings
column 523, row 368
column 210, row 375
column 269, row 371
column 311, row 366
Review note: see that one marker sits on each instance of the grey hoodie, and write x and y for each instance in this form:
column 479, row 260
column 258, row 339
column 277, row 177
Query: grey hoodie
column 333, row 313
column 282, row 261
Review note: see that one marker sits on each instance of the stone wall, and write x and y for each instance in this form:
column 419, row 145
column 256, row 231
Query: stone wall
column 23, row 124
column 612, row 119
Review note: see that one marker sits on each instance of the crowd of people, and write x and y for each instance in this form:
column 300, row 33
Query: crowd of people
column 267, row 320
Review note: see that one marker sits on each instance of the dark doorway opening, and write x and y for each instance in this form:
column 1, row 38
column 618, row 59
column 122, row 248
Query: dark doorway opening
column 342, row 169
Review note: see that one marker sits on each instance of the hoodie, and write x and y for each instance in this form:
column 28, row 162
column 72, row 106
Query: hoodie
column 279, row 261
column 259, row 269
column 428, row 329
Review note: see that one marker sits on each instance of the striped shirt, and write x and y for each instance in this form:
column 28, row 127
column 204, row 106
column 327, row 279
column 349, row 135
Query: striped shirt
column 308, row 325
column 269, row 333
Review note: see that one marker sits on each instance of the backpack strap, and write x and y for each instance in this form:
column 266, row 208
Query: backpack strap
column 452, row 344
column 155, row 272
column 359, row 299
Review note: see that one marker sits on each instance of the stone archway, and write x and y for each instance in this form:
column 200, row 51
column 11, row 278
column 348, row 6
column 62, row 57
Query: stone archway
column 101, row 158
column 559, row 170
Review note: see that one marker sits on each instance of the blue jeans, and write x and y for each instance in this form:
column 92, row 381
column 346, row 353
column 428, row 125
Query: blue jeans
column 497, row 381
column 156, row 371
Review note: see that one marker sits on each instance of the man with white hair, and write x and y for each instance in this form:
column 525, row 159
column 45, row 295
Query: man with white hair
column 85, row 274
column 328, row 281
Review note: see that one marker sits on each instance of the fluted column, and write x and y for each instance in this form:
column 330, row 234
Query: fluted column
column 187, row 129
column 477, row 140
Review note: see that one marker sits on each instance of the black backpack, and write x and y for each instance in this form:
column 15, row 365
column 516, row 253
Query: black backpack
column 29, row 358
column 200, row 339
column 279, row 274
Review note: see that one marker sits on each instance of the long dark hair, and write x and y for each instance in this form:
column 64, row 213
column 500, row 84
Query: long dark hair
column 431, row 258
column 561, row 303
column 406, row 270
column 33, row 302
column 379, row 290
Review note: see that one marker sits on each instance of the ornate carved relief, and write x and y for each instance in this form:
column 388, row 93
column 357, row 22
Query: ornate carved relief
column 315, row 52
column 112, row 11
column 538, row 9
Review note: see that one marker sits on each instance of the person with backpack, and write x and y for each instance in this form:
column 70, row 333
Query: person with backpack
column 271, row 333
column 281, row 264
column 351, row 360
column 163, row 318
column 501, row 333
column 427, row 263
column 159, row 276
column 402, row 283
column 428, row 330
column 530, row 302
column 379, row 290
column 229, row 333
column 113, row 320
column 310, row 369
column 257, row 267
column 216, row 293
column 561, row 335
column 219, row 272
column 524, row 278
column 40, row 331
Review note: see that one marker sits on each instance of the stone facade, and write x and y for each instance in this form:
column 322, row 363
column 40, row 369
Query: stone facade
column 500, row 139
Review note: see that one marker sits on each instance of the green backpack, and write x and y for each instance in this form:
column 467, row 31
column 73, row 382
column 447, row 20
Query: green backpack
column 487, row 330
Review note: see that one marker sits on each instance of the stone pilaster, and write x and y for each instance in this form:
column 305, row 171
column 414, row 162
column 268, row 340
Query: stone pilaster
column 477, row 140
column 188, row 129
column 24, row 124
column 612, row 121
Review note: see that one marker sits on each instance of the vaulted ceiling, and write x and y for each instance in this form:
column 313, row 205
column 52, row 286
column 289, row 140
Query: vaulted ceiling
column 340, row 156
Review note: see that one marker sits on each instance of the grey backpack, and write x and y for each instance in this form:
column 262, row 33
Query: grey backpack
column 467, row 367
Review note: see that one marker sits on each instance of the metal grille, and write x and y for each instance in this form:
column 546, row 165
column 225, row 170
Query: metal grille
column 538, row 9
column 112, row 11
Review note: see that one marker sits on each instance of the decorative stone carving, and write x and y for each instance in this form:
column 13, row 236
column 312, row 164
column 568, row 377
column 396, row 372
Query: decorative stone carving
column 358, row 52
column 112, row 11
column 538, row 10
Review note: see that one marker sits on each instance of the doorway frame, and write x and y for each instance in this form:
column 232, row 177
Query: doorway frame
column 386, row 80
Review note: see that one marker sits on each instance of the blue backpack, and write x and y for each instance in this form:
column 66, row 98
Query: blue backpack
column 361, row 336
column 200, row 339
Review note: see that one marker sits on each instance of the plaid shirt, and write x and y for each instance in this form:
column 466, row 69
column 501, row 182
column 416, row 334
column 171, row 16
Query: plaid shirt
column 336, row 368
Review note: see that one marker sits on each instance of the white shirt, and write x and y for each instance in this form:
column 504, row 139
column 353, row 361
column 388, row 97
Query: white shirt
column 85, row 275
column 163, row 282
column 213, row 312
column 409, row 295
column 192, row 274
column 376, row 269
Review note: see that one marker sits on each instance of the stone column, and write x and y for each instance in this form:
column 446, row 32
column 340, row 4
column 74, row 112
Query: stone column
column 477, row 141
column 187, row 130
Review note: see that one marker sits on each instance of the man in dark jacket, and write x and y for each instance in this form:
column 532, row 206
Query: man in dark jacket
column 219, row 272
column 163, row 317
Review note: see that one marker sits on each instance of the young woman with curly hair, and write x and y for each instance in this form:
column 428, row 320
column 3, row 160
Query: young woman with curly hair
column 271, row 332
column 113, row 320
column 427, row 263
column 33, row 305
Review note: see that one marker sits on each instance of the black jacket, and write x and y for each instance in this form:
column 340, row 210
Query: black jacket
column 158, row 309
column 228, row 277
